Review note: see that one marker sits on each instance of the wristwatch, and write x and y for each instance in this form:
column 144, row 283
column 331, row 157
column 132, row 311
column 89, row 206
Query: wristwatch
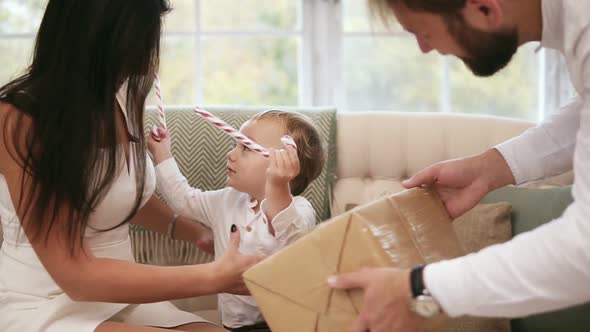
column 422, row 302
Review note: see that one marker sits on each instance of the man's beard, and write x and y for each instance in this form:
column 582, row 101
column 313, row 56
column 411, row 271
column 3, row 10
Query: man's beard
column 487, row 52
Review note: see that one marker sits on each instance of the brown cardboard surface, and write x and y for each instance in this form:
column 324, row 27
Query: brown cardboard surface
column 401, row 230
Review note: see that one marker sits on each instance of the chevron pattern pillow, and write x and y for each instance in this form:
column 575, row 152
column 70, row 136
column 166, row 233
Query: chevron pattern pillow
column 200, row 149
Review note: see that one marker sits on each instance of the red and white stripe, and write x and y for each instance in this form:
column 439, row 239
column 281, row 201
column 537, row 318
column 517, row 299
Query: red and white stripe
column 217, row 122
column 161, row 113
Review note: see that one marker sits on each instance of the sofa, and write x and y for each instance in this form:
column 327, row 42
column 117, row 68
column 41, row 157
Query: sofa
column 369, row 154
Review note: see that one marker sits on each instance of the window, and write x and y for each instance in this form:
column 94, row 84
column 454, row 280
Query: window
column 306, row 53
column 19, row 21
column 232, row 52
column 386, row 70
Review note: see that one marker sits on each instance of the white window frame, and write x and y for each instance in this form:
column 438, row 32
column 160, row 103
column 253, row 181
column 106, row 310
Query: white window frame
column 320, row 32
column 325, row 49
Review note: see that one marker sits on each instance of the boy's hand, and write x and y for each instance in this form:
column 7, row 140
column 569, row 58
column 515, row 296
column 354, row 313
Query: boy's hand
column 159, row 144
column 284, row 166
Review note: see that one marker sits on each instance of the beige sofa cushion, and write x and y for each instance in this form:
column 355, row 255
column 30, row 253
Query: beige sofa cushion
column 377, row 150
column 484, row 225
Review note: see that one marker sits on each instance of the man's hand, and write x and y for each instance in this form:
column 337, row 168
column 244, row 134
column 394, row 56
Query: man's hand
column 386, row 302
column 462, row 183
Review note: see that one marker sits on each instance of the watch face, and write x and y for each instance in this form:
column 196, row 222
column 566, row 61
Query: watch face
column 425, row 306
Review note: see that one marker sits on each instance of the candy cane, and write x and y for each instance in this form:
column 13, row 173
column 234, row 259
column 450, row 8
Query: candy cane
column 217, row 122
column 161, row 113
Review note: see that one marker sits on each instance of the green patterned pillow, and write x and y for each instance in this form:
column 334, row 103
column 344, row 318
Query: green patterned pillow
column 200, row 149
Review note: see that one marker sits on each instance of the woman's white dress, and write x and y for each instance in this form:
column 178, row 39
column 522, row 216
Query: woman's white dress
column 30, row 301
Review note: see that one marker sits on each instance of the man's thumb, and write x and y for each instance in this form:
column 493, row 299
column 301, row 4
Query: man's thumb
column 348, row 280
column 427, row 176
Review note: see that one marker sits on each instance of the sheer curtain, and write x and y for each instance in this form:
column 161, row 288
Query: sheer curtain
column 557, row 87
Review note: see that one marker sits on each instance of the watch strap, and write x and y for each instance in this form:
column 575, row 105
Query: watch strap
column 417, row 281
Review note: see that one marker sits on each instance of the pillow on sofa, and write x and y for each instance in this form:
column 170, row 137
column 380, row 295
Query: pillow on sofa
column 482, row 226
column 530, row 209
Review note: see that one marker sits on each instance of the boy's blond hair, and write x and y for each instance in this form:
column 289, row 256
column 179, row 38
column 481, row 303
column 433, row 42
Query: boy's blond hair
column 309, row 145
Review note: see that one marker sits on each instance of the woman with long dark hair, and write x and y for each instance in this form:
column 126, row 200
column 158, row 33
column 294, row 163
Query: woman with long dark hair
column 73, row 173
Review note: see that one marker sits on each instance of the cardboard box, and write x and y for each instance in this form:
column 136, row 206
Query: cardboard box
column 401, row 230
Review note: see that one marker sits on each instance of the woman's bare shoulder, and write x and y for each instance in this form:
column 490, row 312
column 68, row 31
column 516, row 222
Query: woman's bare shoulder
column 11, row 117
column 14, row 126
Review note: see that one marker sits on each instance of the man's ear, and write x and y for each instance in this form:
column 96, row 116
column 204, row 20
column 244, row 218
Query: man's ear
column 484, row 14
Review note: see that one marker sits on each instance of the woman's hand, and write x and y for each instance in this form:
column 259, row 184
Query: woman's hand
column 230, row 268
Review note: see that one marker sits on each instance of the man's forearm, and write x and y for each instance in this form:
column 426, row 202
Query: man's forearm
column 497, row 168
column 546, row 150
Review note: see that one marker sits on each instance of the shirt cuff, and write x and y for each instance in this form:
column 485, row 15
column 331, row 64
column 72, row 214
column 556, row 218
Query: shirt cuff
column 167, row 168
column 509, row 151
column 444, row 281
column 283, row 219
column 167, row 172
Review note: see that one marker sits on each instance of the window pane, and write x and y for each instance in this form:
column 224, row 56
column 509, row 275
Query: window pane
column 182, row 17
column 250, row 71
column 389, row 74
column 512, row 92
column 357, row 18
column 15, row 56
column 249, row 14
column 177, row 71
column 21, row 16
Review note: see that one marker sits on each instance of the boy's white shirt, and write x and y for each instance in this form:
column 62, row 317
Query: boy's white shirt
column 219, row 209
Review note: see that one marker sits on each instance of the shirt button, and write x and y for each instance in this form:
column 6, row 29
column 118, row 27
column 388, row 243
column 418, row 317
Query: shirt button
column 248, row 228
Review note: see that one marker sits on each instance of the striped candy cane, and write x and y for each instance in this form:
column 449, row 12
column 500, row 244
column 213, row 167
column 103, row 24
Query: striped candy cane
column 217, row 122
column 161, row 113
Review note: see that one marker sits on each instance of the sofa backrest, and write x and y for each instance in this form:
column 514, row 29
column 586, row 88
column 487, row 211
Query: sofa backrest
column 378, row 150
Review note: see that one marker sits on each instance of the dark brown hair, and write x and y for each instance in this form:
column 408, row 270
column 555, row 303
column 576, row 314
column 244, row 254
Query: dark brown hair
column 309, row 145
column 383, row 8
column 84, row 51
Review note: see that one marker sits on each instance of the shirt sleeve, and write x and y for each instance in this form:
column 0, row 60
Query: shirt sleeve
column 547, row 149
column 538, row 271
column 181, row 197
column 297, row 219
column 548, row 268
